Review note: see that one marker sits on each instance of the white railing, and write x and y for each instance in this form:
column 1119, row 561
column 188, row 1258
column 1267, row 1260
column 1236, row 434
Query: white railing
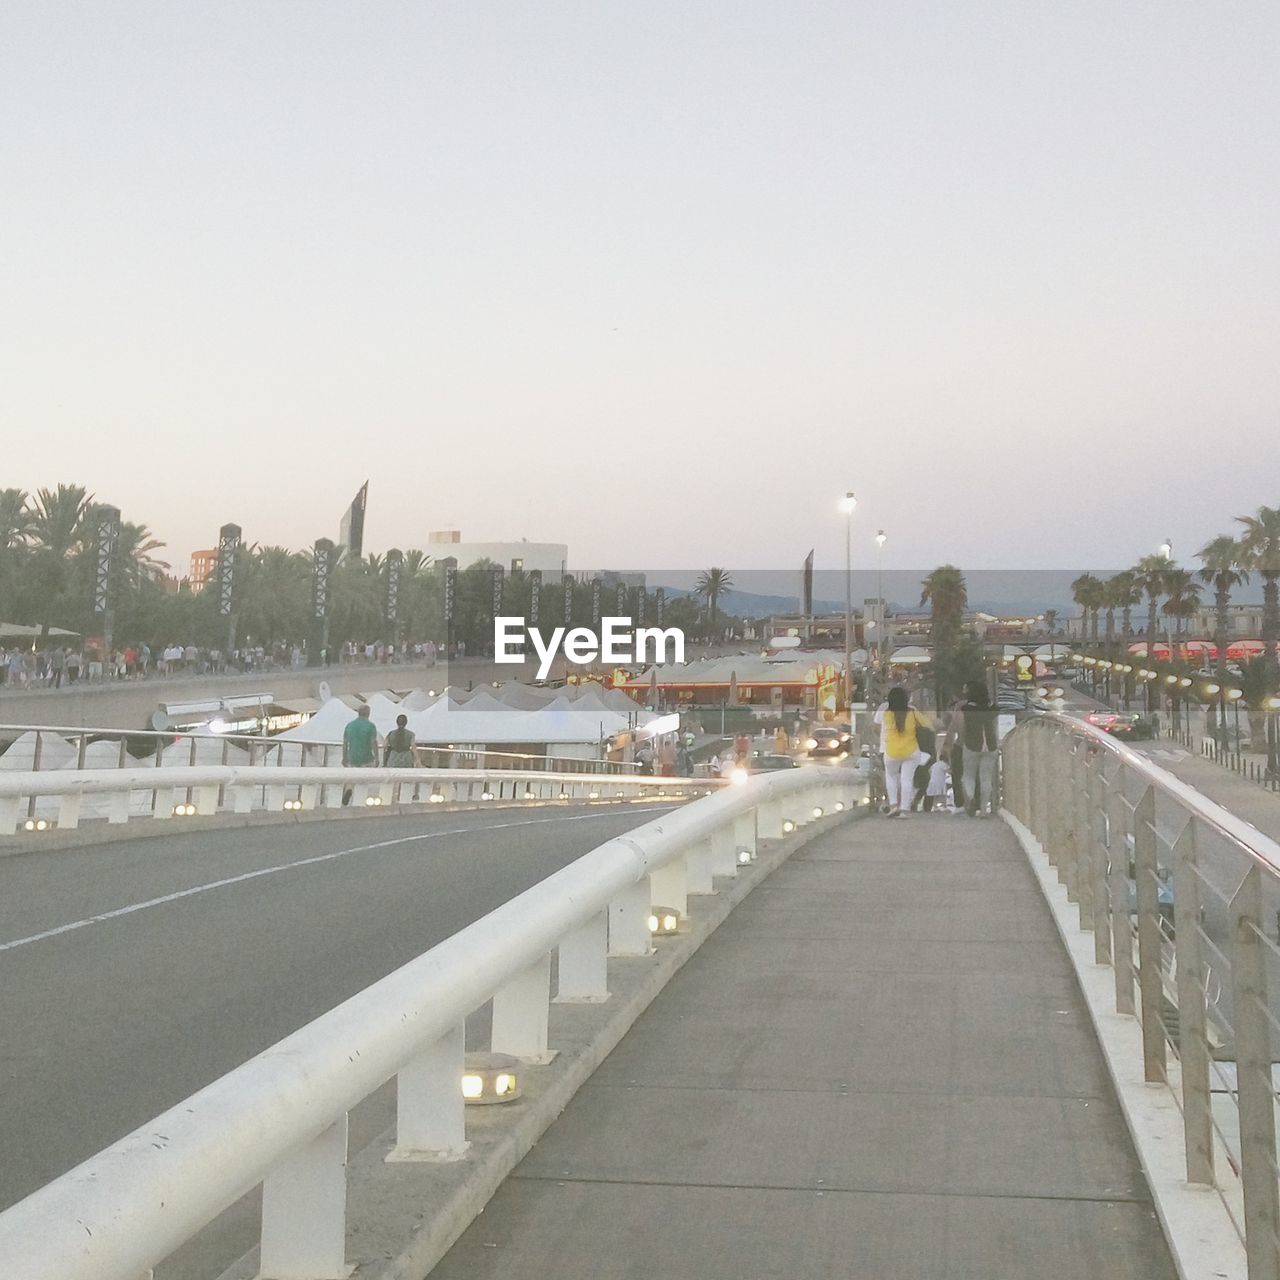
column 1183, row 900
column 39, row 802
column 280, row 1120
column 54, row 747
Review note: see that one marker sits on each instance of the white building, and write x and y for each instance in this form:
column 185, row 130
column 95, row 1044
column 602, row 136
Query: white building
column 551, row 557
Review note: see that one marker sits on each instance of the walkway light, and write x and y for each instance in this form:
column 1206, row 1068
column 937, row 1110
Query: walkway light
column 787, row 826
column 372, row 801
column 37, row 824
column 486, row 794
column 745, row 856
column 490, row 1077
column 1185, row 682
column 184, row 811
column 1212, row 689
column 1232, row 694
column 1104, row 665
column 1077, row 657
column 436, row 796
column 663, row 921
column 292, row 805
column 1171, row 679
column 1272, row 703
column 564, row 795
column 593, row 795
column 817, row 811
column 839, row 806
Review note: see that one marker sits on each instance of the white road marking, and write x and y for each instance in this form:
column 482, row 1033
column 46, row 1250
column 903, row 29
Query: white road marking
column 289, row 866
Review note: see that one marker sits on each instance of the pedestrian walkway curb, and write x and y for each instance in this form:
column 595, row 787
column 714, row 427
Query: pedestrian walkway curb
column 1195, row 1220
column 403, row 1218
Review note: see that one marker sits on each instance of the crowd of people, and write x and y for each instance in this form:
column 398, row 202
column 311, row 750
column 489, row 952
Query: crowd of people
column 58, row 665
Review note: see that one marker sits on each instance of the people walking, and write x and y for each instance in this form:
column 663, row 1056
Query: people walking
column 359, row 746
column 900, row 746
column 400, row 744
column 980, row 742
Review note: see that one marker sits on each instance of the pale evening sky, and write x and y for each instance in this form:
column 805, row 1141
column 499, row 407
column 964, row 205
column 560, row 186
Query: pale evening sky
column 658, row 280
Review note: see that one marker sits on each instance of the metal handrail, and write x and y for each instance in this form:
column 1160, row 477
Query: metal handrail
column 1198, row 970
column 280, row 1119
column 1244, row 835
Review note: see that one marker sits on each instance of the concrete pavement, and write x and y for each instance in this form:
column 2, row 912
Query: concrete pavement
column 879, row 1066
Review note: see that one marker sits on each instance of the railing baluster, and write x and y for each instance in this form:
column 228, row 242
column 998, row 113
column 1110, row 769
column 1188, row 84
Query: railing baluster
column 1253, row 1080
column 1193, row 1040
column 1150, row 948
column 582, row 962
column 304, row 1211
column 520, row 1013
column 430, row 1111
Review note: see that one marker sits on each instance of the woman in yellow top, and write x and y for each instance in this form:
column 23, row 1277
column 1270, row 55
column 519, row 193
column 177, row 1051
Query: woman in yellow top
column 898, row 742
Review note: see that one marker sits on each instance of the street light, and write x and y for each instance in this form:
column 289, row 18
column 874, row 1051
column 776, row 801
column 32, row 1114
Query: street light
column 1166, row 549
column 848, row 504
column 881, row 539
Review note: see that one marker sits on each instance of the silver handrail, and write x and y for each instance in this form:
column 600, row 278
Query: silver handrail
column 1183, row 900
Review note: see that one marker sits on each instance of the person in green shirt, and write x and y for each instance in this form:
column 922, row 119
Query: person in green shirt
column 359, row 746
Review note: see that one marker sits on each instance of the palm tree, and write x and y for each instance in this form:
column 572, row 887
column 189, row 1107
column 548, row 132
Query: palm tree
column 1183, row 593
column 1260, row 548
column 60, row 522
column 1051, row 620
column 1087, row 592
column 134, row 564
column 1123, row 590
column 1223, row 570
column 947, row 594
column 17, row 521
column 712, row 584
column 1148, row 577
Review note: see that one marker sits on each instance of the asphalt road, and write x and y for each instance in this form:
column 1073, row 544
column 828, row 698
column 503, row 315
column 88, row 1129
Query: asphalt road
column 133, row 974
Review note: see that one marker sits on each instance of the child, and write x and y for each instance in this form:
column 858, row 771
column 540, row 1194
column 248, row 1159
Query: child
column 936, row 795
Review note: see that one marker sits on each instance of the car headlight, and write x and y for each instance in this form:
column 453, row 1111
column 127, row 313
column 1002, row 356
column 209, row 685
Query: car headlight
column 810, row 743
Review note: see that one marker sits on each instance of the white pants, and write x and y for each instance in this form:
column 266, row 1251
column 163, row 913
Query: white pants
column 899, row 781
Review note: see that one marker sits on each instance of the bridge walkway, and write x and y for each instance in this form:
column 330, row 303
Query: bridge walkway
column 879, row 1066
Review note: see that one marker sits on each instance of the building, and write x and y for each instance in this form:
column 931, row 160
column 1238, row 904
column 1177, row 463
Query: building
column 552, row 558
column 204, row 569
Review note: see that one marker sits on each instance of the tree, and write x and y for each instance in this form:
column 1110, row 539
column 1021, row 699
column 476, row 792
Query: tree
column 1087, row 592
column 947, row 595
column 1051, row 621
column 60, row 522
column 17, row 522
column 1148, row 576
column 712, row 584
column 1123, row 593
column 1260, row 548
column 1223, row 560
column 1183, row 596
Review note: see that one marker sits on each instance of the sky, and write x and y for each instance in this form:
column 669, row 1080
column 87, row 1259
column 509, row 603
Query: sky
column 660, row 281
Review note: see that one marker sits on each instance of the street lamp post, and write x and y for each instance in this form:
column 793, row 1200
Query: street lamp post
column 848, row 504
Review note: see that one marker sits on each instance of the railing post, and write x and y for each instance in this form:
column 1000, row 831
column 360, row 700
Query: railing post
column 304, row 1211
column 698, row 869
column 629, row 922
column 69, row 810
column 1078, row 818
column 1253, row 1080
column 583, row 971
column 520, row 1014
column 1118, row 886
column 669, row 885
column 1095, row 809
column 10, row 813
column 118, row 806
column 1193, row 1038
column 430, row 1111
column 1150, row 938
column 724, row 852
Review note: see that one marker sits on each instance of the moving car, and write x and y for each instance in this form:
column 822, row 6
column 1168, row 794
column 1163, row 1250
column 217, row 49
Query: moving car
column 826, row 740
column 1122, row 724
column 768, row 761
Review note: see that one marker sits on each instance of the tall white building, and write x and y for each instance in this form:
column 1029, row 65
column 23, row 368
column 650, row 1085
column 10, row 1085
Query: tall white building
column 551, row 557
